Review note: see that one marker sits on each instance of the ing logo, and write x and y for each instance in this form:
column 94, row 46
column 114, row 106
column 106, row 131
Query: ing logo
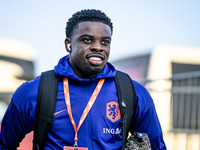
column 113, row 111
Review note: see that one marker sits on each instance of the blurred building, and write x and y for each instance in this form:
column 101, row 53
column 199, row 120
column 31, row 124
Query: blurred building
column 172, row 75
column 17, row 66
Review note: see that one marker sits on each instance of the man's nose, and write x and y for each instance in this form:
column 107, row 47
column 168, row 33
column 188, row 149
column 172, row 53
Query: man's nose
column 97, row 46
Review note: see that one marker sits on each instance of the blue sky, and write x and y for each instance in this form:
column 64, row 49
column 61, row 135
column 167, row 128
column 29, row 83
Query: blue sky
column 139, row 25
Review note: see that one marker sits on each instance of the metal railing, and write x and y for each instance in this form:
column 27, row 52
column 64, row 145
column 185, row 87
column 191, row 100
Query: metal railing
column 185, row 99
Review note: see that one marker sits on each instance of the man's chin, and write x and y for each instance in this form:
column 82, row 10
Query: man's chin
column 92, row 72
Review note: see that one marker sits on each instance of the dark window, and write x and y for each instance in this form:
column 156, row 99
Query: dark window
column 186, row 97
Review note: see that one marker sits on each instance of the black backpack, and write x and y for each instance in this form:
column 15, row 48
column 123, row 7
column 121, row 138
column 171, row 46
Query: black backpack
column 48, row 94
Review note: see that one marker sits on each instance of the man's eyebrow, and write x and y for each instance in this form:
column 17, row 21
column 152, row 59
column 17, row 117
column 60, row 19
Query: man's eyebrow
column 84, row 35
column 107, row 37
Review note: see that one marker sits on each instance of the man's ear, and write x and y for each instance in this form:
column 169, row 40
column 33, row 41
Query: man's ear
column 68, row 45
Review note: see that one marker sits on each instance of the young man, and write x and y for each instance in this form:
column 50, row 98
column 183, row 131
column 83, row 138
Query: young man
column 87, row 87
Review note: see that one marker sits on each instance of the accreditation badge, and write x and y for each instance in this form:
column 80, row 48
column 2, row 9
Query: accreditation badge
column 74, row 148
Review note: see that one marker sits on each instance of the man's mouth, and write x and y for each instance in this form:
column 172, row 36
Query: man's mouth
column 95, row 60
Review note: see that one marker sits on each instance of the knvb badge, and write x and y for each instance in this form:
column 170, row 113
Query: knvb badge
column 113, row 111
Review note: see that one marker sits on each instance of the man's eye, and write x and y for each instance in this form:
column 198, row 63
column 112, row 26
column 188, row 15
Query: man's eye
column 87, row 40
column 106, row 42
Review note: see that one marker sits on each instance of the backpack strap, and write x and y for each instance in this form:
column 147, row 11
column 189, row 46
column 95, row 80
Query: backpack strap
column 127, row 101
column 46, row 104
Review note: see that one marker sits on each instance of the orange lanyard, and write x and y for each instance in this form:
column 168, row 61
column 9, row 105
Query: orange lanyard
column 87, row 108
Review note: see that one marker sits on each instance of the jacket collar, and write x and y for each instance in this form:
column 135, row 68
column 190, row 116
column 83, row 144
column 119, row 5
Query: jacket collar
column 63, row 69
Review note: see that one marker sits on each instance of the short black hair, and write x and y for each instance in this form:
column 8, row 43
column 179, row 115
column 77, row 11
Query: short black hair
column 87, row 15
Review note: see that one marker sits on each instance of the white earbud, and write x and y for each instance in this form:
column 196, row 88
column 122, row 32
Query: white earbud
column 69, row 46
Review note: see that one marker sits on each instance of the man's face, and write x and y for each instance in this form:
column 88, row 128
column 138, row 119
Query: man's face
column 90, row 48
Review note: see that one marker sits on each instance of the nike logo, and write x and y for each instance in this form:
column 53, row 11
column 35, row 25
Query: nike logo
column 59, row 112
